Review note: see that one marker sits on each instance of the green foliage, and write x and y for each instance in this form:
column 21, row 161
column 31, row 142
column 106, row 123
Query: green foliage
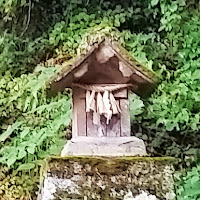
column 162, row 35
column 68, row 33
column 16, row 53
column 174, row 106
column 188, row 184
column 18, row 186
column 136, row 106
column 8, row 8
column 36, row 129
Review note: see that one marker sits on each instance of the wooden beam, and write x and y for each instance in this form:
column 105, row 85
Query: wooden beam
column 79, row 114
column 125, row 118
column 92, row 129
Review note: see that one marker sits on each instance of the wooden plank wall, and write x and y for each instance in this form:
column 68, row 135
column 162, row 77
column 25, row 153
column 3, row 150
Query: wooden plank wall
column 114, row 127
column 125, row 118
column 83, row 122
column 92, row 129
column 79, row 114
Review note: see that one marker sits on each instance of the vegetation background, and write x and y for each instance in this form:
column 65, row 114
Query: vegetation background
column 36, row 35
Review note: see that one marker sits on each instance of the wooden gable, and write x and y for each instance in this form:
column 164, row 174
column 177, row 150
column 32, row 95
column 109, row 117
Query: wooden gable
column 106, row 63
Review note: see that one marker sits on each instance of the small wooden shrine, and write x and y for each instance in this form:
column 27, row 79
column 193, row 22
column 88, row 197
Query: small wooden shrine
column 100, row 162
column 101, row 80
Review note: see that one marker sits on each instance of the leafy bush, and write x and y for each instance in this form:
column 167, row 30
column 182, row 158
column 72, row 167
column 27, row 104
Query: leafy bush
column 188, row 185
column 38, row 120
column 18, row 186
column 162, row 35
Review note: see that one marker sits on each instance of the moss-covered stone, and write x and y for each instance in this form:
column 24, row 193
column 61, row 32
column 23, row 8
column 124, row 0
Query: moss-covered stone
column 108, row 177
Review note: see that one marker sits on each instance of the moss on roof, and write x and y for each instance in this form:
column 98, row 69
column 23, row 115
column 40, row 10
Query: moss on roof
column 68, row 65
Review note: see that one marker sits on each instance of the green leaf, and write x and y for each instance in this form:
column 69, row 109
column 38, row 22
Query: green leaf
column 196, row 74
column 11, row 160
column 170, row 125
column 154, row 2
column 194, row 179
column 122, row 19
column 117, row 22
column 22, row 153
column 173, row 7
column 9, row 131
column 12, row 156
column 27, row 166
column 31, row 148
column 24, row 132
column 136, row 106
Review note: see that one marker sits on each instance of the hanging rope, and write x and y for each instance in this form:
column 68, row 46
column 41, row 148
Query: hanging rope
column 103, row 87
column 102, row 104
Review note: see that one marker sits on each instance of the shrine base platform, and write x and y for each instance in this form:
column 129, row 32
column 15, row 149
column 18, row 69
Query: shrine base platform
column 107, row 178
column 104, row 146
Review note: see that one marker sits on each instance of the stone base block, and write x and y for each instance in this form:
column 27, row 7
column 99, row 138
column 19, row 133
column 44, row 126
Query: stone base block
column 104, row 146
column 108, row 178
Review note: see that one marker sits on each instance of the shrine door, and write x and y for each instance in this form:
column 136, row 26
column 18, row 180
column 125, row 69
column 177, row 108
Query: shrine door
column 118, row 126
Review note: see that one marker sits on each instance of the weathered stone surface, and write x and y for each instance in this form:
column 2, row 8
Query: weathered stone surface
column 88, row 178
column 104, row 146
column 142, row 196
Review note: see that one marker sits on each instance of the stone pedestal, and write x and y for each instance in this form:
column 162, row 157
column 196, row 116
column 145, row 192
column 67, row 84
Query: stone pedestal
column 98, row 178
column 104, row 146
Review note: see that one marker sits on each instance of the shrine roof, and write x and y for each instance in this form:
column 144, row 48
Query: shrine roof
column 68, row 67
